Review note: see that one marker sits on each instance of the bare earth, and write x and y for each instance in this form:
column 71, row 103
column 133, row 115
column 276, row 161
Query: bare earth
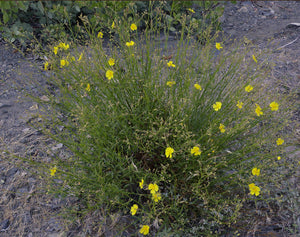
column 25, row 211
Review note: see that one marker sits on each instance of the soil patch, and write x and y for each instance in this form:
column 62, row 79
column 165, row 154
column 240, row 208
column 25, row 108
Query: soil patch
column 25, row 211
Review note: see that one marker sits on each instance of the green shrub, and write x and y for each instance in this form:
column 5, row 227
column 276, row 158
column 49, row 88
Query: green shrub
column 22, row 21
column 181, row 135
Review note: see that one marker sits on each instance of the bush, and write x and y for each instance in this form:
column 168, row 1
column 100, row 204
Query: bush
column 23, row 21
column 177, row 141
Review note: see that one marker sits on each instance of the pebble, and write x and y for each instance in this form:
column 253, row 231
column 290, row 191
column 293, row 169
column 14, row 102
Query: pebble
column 243, row 9
column 56, row 147
column 26, row 130
column 12, row 172
column 44, row 98
column 5, row 224
column 4, row 105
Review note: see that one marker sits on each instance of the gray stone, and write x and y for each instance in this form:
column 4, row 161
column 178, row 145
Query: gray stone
column 12, row 172
column 5, row 224
column 243, row 9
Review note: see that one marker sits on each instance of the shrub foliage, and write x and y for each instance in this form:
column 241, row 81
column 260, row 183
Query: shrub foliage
column 176, row 140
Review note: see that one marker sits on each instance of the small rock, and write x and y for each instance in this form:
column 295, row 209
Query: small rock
column 243, row 9
column 293, row 25
column 268, row 12
column 61, row 234
column 44, row 98
column 4, row 224
column 27, row 217
column 58, row 146
column 26, row 130
column 34, row 107
column 12, row 172
column 4, row 105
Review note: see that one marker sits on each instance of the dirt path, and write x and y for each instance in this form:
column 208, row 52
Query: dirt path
column 24, row 212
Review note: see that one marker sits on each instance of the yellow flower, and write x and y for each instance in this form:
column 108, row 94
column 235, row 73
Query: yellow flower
column 222, row 128
column 88, row 87
column 198, row 87
column 274, row 106
column 53, row 171
column 156, row 197
column 46, row 66
column 169, row 151
column 55, row 50
column 113, row 25
column 141, row 184
column 254, row 58
column 153, row 188
column 145, row 229
column 279, row 141
column 217, row 106
column 171, row 83
column 80, row 57
column 128, row 44
column 133, row 27
column 218, row 46
column 191, row 10
column 248, row 88
column 100, row 35
column 256, row 171
column 63, row 63
column 73, row 59
column 109, row 74
column 239, row 104
column 65, row 46
column 254, row 190
column 134, row 209
column 195, row 151
column 258, row 110
column 171, row 64
column 111, row 62
column 278, row 157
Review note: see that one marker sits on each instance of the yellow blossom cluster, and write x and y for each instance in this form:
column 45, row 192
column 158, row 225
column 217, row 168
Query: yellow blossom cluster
column 60, row 46
column 109, row 74
column 130, row 43
column 196, row 151
column 145, row 229
column 254, row 190
column 197, row 87
column 53, row 171
column 171, row 64
column 218, row 46
column 217, row 106
column 222, row 128
column 133, row 27
column 169, row 152
column 171, row 83
column 134, row 209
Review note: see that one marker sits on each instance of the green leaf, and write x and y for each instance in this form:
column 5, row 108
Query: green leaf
column 172, row 29
column 23, row 6
column 77, row 8
column 4, row 6
column 40, row 7
column 169, row 18
column 5, row 17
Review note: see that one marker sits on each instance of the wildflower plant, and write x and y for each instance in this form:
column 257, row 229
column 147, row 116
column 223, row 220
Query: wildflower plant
column 170, row 142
